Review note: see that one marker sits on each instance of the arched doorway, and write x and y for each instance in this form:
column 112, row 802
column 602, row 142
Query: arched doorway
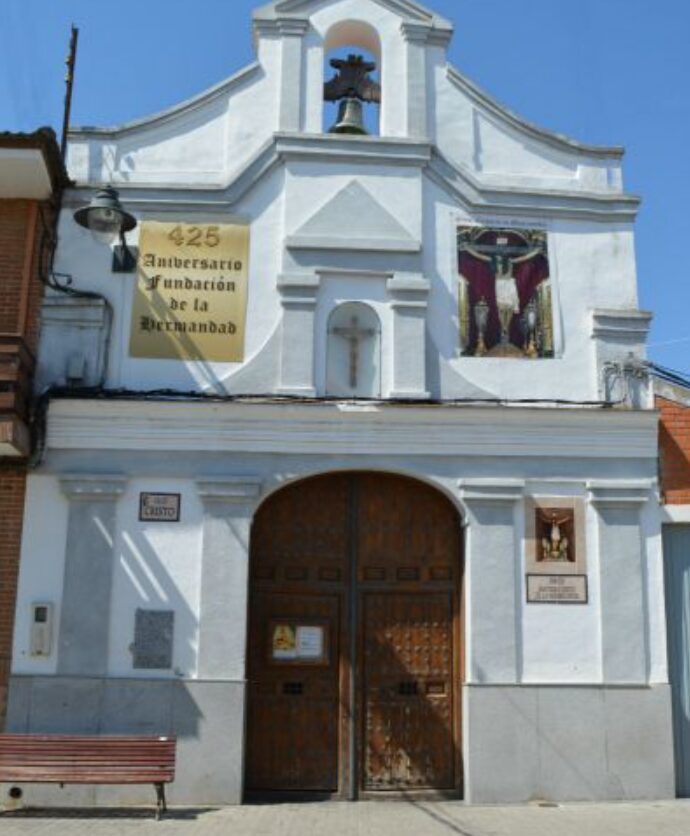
column 354, row 638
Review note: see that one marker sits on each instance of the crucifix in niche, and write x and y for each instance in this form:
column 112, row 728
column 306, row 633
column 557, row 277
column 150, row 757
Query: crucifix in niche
column 353, row 362
column 354, row 334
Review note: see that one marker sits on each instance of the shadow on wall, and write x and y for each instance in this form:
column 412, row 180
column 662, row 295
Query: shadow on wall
column 138, row 704
column 566, row 748
column 75, row 705
column 145, row 583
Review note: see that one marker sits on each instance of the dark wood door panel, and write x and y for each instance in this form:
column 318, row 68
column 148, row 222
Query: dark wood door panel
column 407, row 533
column 381, row 712
column 292, row 741
column 408, row 691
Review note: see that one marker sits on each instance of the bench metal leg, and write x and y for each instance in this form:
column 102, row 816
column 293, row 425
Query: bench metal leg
column 161, row 806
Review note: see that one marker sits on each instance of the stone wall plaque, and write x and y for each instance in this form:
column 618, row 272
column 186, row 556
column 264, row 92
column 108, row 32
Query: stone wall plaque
column 159, row 507
column 557, row 589
column 153, row 639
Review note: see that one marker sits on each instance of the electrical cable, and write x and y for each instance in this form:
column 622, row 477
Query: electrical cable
column 174, row 395
column 669, row 375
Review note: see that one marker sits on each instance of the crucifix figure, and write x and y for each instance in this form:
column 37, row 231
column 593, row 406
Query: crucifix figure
column 354, row 334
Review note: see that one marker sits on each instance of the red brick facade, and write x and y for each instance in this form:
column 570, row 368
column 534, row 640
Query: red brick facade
column 23, row 222
column 12, row 488
column 20, row 236
column 674, row 451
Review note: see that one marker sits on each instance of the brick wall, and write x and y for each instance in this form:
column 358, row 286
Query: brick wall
column 20, row 237
column 674, row 451
column 12, row 489
column 16, row 227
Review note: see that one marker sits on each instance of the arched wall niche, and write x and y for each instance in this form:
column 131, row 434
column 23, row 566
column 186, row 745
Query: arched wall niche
column 353, row 361
column 353, row 37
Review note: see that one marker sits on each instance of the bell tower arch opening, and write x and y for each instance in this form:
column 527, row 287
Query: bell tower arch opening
column 352, row 74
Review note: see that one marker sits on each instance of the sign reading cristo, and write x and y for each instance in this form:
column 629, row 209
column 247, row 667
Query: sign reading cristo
column 191, row 295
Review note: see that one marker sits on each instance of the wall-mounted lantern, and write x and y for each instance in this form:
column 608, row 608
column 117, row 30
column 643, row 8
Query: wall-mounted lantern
column 106, row 219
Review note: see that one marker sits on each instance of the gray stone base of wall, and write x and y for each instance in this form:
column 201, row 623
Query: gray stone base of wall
column 207, row 717
column 562, row 743
column 521, row 743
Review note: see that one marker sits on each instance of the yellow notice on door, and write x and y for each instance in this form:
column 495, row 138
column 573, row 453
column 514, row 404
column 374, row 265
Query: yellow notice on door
column 190, row 300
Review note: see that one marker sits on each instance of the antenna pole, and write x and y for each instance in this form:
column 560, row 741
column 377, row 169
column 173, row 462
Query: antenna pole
column 69, row 82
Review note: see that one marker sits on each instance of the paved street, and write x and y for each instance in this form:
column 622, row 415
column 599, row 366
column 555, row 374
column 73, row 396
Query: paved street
column 402, row 818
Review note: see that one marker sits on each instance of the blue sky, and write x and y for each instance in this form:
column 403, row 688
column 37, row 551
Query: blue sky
column 601, row 71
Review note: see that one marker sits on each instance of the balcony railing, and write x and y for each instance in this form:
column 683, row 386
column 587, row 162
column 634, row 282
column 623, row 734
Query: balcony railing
column 17, row 365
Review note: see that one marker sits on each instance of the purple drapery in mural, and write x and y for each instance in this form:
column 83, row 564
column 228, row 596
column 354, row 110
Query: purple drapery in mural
column 481, row 281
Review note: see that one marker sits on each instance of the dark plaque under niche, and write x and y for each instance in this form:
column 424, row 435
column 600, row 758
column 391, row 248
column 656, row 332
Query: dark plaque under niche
column 153, row 639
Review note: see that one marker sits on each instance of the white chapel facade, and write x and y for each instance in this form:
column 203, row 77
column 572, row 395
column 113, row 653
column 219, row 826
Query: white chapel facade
column 352, row 483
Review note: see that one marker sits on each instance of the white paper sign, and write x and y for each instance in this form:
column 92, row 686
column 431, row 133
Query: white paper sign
column 310, row 642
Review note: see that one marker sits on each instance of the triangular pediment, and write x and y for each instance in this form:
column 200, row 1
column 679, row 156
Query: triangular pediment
column 353, row 220
column 406, row 9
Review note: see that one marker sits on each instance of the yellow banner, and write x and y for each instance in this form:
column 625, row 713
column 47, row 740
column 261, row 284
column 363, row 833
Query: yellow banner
column 190, row 301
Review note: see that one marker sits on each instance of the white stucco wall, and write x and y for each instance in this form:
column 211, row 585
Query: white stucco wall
column 337, row 219
column 41, row 569
column 218, row 158
column 159, row 565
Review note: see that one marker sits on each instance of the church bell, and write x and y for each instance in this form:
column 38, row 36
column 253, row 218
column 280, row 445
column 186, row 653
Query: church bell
column 350, row 117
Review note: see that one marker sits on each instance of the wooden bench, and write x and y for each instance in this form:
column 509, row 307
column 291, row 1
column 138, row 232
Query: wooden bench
column 68, row 759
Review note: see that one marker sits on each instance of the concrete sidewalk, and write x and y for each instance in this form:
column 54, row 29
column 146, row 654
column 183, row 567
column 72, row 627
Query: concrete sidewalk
column 374, row 818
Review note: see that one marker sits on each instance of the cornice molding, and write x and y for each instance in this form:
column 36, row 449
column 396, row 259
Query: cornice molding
column 377, row 150
column 161, row 197
column 626, row 325
column 96, row 487
column 407, row 9
column 530, row 203
column 303, row 282
column 298, row 290
column 425, row 34
column 343, row 243
column 491, row 491
column 74, row 311
column 163, row 116
column 673, row 392
column 409, row 286
column 675, row 514
column 328, row 428
column 230, row 489
column 459, row 183
column 282, row 26
column 620, row 494
column 555, row 140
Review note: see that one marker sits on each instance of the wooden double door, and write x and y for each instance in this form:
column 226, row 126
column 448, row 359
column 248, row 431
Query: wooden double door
column 354, row 639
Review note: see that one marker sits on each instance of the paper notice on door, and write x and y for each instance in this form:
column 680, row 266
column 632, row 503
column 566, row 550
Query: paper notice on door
column 310, row 642
column 284, row 642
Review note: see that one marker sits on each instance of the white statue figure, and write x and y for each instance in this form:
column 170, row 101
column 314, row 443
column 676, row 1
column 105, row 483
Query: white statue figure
column 507, row 299
column 556, row 546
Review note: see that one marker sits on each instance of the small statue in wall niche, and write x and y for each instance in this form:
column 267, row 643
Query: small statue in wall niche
column 556, row 533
